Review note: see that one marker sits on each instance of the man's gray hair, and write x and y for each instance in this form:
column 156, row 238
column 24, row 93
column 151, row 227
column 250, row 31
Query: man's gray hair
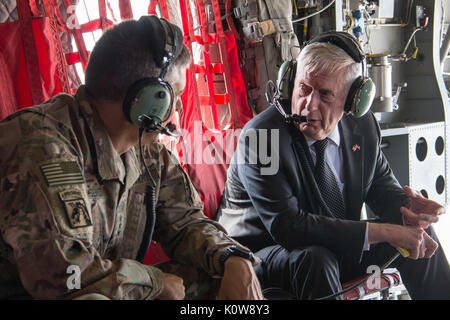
column 322, row 58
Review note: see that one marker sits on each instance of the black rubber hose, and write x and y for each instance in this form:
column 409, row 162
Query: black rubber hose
column 150, row 199
column 149, row 223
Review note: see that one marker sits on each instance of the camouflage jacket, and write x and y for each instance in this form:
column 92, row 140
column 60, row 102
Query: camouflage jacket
column 69, row 202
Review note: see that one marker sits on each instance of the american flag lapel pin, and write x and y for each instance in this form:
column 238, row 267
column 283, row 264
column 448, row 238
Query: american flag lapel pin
column 356, row 147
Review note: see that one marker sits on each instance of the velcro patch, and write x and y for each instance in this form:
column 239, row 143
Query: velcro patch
column 76, row 209
column 62, row 173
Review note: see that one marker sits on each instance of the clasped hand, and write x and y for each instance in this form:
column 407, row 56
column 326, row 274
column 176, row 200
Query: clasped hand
column 420, row 214
column 239, row 282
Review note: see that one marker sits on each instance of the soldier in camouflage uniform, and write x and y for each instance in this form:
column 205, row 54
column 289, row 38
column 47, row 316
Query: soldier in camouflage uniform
column 72, row 194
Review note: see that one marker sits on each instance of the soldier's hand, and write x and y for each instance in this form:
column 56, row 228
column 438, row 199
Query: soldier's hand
column 239, row 281
column 173, row 288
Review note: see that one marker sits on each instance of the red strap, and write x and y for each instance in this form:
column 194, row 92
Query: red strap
column 188, row 27
column 184, row 17
column 48, row 7
column 23, row 9
column 126, row 12
column 230, row 19
column 215, row 68
column 217, row 17
column 226, row 64
column 102, row 13
column 212, row 38
column 77, row 35
column 219, row 98
column 165, row 12
column 152, row 6
column 73, row 58
column 31, row 57
column 111, row 12
column 209, row 76
column 93, row 25
column 61, row 23
column 34, row 5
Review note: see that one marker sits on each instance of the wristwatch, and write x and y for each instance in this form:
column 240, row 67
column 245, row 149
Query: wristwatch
column 238, row 252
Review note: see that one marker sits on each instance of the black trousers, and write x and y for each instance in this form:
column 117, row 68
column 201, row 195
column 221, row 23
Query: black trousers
column 314, row 272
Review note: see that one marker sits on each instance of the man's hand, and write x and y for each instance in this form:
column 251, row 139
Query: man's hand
column 173, row 288
column 428, row 248
column 422, row 212
column 239, row 281
column 410, row 238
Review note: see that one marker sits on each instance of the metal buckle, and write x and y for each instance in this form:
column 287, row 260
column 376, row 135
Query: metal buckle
column 241, row 11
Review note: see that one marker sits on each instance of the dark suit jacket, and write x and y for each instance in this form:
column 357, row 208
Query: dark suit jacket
column 261, row 210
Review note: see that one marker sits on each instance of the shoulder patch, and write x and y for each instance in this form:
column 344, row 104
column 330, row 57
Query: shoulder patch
column 76, row 209
column 62, row 173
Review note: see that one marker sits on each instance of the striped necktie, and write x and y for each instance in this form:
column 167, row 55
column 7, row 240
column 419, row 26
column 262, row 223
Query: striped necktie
column 327, row 182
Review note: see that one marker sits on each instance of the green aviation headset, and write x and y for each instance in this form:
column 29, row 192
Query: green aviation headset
column 149, row 101
column 362, row 90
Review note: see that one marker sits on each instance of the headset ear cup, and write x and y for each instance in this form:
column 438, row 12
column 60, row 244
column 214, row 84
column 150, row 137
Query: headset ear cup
column 360, row 97
column 150, row 98
column 286, row 79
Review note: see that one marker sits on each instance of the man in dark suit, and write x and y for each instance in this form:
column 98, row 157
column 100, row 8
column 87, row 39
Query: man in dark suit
column 303, row 219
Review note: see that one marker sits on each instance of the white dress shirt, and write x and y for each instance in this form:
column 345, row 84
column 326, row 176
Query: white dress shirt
column 333, row 156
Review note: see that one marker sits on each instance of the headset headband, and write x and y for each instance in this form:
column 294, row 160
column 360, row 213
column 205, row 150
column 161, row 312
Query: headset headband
column 343, row 40
column 166, row 40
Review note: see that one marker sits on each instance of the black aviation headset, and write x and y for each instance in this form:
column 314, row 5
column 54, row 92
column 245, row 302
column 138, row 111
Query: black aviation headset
column 362, row 90
column 149, row 103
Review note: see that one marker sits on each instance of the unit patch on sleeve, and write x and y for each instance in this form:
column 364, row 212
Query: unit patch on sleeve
column 76, row 209
column 62, row 173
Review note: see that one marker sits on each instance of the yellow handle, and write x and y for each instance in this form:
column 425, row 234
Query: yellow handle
column 403, row 252
column 414, row 56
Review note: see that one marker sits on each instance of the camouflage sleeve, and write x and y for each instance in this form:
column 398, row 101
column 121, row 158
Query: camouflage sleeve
column 53, row 259
column 184, row 232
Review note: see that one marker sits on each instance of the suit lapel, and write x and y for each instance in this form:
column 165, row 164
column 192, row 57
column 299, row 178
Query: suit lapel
column 352, row 151
column 298, row 147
